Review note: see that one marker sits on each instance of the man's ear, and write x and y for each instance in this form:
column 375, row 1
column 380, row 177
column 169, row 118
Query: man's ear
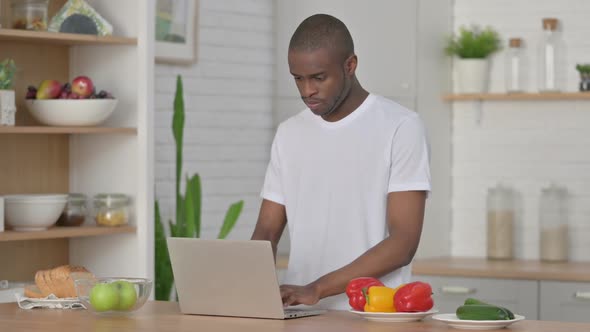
column 350, row 65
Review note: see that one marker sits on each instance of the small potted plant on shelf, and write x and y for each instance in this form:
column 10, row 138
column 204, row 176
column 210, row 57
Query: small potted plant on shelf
column 7, row 105
column 584, row 70
column 472, row 48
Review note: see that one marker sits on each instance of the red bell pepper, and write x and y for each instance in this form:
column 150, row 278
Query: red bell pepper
column 413, row 297
column 354, row 290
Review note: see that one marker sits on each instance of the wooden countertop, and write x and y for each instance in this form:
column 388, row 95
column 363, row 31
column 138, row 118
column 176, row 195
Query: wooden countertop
column 484, row 268
column 165, row 316
column 512, row 269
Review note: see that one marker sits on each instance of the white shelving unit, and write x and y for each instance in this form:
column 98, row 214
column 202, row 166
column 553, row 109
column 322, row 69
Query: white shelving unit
column 116, row 157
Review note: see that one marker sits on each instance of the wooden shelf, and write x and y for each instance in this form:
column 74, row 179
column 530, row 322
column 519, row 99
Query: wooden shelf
column 66, row 130
column 58, row 38
column 518, row 96
column 64, row 232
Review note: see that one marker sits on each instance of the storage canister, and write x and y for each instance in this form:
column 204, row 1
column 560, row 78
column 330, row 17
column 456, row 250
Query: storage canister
column 500, row 223
column 553, row 224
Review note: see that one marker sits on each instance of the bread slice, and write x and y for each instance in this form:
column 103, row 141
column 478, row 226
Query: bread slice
column 59, row 281
column 49, row 282
column 33, row 291
column 41, row 284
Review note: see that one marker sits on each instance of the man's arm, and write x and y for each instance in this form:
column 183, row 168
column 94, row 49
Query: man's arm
column 271, row 223
column 405, row 215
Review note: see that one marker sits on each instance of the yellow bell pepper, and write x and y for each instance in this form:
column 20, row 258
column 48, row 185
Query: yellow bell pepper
column 379, row 299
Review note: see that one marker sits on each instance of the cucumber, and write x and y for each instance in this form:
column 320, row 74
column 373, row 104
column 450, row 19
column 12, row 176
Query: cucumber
column 482, row 312
column 472, row 301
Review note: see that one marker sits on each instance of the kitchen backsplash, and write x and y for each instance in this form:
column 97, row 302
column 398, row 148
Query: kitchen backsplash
column 523, row 144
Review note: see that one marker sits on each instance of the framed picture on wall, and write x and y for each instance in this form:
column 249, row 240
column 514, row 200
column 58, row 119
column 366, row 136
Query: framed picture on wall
column 176, row 31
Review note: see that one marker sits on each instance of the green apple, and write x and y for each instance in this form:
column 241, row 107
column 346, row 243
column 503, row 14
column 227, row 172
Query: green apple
column 127, row 294
column 104, row 297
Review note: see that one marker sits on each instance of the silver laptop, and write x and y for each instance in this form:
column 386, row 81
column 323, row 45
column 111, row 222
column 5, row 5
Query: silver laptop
column 228, row 278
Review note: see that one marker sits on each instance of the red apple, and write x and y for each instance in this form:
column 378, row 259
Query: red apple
column 82, row 86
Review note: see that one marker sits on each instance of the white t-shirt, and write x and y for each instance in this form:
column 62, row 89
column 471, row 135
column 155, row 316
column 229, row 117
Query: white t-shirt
column 333, row 179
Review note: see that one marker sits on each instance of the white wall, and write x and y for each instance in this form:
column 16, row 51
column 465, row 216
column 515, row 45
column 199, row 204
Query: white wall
column 228, row 99
column 524, row 144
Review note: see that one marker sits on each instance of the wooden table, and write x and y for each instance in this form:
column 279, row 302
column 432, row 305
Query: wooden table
column 165, row 316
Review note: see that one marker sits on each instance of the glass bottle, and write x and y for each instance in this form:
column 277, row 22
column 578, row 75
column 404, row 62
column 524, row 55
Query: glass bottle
column 500, row 223
column 514, row 66
column 553, row 222
column 550, row 53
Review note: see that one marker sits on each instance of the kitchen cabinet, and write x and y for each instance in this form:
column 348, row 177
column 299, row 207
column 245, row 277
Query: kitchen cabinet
column 114, row 157
column 520, row 296
column 537, row 290
column 565, row 301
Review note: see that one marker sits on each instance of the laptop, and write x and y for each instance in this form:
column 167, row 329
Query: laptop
column 228, row 278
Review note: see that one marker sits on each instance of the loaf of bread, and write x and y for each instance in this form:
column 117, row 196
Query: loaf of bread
column 58, row 281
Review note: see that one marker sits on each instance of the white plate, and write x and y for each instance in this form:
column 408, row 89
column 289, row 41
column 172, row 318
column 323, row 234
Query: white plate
column 394, row 316
column 453, row 321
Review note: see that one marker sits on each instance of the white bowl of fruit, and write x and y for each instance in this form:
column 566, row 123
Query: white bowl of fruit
column 75, row 104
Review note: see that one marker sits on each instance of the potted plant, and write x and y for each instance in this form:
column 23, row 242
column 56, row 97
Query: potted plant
column 7, row 105
column 188, row 208
column 584, row 70
column 472, row 48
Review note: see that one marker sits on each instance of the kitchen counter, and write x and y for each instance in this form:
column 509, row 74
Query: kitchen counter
column 165, row 316
column 484, row 268
column 509, row 269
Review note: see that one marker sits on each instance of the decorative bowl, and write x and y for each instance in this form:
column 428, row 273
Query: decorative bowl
column 71, row 112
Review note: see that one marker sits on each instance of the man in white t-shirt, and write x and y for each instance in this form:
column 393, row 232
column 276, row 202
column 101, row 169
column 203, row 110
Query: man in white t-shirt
column 349, row 175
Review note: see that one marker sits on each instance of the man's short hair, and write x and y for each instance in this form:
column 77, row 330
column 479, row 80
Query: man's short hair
column 322, row 31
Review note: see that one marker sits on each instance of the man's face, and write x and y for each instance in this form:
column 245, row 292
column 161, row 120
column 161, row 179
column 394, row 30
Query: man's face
column 321, row 78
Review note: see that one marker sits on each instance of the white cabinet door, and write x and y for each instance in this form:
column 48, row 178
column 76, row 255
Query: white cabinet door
column 520, row 296
column 384, row 33
column 565, row 301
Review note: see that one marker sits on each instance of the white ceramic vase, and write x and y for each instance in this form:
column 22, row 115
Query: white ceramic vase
column 7, row 108
column 472, row 75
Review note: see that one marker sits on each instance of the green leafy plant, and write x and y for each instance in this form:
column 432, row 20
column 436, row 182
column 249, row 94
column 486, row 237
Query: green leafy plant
column 7, row 70
column 188, row 208
column 473, row 43
column 583, row 68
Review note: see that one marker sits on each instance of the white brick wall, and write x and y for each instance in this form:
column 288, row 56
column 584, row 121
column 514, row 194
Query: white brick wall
column 228, row 100
column 523, row 144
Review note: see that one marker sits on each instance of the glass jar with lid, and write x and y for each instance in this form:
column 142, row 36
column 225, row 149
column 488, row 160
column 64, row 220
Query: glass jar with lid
column 29, row 14
column 74, row 213
column 500, row 222
column 111, row 209
column 553, row 222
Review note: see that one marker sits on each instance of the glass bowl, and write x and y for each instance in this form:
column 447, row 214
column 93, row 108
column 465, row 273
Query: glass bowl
column 113, row 296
